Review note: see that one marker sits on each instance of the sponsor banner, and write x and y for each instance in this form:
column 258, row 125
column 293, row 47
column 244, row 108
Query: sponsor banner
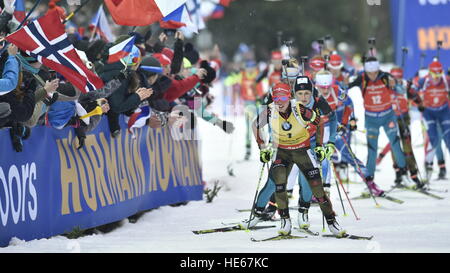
column 418, row 25
column 51, row 187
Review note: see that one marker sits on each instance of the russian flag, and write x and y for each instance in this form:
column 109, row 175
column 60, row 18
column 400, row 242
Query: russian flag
column 19, row 11
column 179, row 18
column 138, row 119
column 100, row 25
column 141, row 12
column 218, row 12
column 120, row 50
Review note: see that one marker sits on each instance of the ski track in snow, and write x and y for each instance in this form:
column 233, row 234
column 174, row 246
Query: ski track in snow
column 421, row 224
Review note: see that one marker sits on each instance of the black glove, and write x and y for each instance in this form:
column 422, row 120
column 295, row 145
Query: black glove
column 421, row 108
column 81, row 135
column 17, row 132
column 342, row 129
column 353, row 125
column 309, row 115
column 81, row 140
column 50, row 101
column 226, row 126
column 320, row 153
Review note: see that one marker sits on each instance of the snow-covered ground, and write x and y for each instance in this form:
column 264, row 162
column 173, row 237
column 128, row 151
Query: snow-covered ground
column 421, row 224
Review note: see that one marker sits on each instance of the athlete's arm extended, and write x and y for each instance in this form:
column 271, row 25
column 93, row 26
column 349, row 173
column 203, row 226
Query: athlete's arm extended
column 261, row 120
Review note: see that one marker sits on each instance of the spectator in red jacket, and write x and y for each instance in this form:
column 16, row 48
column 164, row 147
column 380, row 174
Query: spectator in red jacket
column 179, row 86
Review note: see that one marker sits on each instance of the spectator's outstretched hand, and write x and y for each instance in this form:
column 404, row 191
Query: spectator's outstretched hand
column 9, row 6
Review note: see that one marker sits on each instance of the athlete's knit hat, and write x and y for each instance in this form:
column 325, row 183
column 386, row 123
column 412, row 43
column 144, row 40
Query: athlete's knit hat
column 397, row 72
column 281, row 90
column 317, row 63
column 324, row 79
column 276, row 55
column 371, row 64
column 436, row 67
column 303, row 83
column 335, row 61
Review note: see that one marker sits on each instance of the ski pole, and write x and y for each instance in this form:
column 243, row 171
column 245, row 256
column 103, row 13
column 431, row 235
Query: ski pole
column 439, row 46
column 321, row 42
column 349, row 202
column 422, row 60
column 256, row 194
column 371, row 42
column 337, row 186
column 303, row 60
column 359, row 170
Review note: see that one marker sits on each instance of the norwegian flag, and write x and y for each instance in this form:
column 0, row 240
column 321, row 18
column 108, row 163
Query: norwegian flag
column 46, row 40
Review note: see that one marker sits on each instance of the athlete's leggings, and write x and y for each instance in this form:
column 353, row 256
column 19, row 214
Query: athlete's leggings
column 434, row 118
column 405, row 135
column 388, row 121
column 437, row 151
column 305, row 161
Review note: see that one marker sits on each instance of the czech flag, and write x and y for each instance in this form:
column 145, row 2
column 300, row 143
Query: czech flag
column 120, row 50
column 19, row 11
column 100, row 24
column 177, row 19
column 141, row 12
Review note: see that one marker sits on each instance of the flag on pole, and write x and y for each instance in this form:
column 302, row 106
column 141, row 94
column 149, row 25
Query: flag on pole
column 46, row 40
column 179, row 18
column 193, row 7
column 19, row 11
column 120, row 50
column 141, row 12
column 100, row 25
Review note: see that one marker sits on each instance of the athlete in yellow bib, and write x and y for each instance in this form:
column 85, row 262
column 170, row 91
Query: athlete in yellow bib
column 291, row 124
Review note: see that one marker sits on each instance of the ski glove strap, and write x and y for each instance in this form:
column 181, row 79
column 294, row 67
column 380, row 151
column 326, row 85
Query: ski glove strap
column 320, row 153
column 329, row 150
column 266, row 154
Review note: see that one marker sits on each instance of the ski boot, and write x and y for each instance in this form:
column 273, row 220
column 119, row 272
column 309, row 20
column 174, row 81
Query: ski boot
column 302, row 218
column 326, row 189
column 269, row 212
column 442, row 170
column 398, row 176
column 286, row 225
column 257, row 217
column 334, row 227
column 376, row 191
column 419, row 184
column 428, row 170
column 404, row 180
column 290, row 193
